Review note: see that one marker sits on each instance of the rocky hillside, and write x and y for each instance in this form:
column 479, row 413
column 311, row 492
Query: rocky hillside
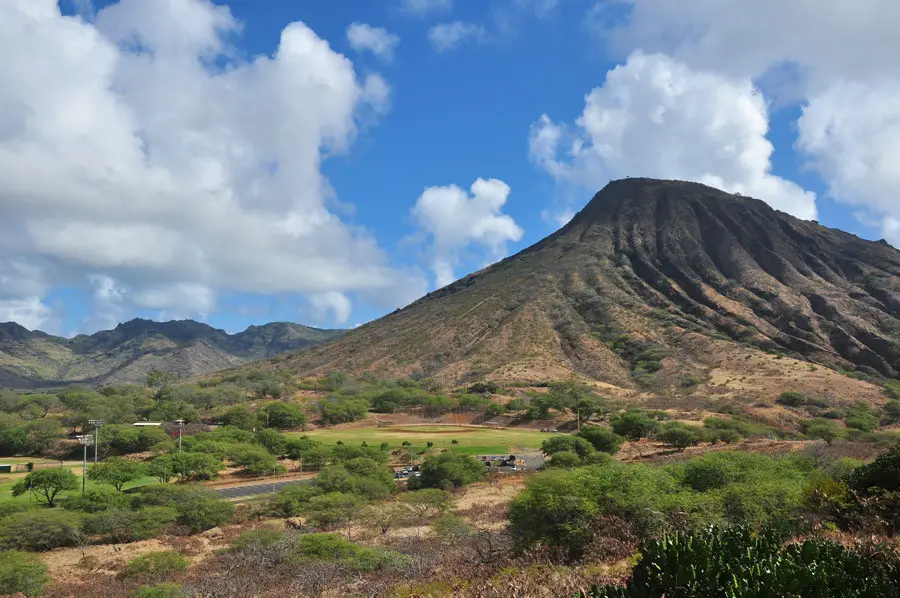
column 661, row 288
column 125, row 354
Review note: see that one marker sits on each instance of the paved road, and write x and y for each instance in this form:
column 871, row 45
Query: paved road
column 255, row 489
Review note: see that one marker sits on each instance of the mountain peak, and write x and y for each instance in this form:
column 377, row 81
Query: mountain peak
column 649, row 268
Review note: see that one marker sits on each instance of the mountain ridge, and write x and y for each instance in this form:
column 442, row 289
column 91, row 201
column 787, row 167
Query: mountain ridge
column 30, row 359
column 680, row 269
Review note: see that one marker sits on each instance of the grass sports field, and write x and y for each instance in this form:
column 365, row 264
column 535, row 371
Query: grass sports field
column 8, row 481
column 470, row 440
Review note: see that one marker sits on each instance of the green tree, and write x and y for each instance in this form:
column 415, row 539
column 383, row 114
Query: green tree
column 825, row 430
column 567, row 443
column 430, row 501
column 634, row 424
column 239, row 416
column 46, row 484
column 116, row 471
column 678, row 435
column 162, row 468
column 195, row 466
column 158, row 380
column 602, row 439
column 22, row 572
column 333, row 509
column 448, row 470
column 273, row 441
column 284, row 416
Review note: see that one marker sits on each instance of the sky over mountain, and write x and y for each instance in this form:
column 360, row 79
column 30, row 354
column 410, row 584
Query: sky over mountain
column 327, row 162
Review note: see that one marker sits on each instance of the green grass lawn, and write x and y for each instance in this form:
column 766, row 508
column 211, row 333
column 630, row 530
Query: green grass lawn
column 469, row 440
column 8, row 481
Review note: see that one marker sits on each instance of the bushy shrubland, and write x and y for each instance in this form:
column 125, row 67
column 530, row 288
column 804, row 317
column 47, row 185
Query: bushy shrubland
column 560, row 508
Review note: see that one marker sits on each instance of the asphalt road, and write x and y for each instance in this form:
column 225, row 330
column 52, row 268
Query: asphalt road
column 257, row 489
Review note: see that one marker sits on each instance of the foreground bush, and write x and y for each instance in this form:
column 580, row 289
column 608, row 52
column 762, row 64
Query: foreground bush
column 22, row 572
column 735, row 563
column 198, row 510
column 562, row 508
column 40, row 530
column 121, row 525
column 160, row 590
column 155, row 565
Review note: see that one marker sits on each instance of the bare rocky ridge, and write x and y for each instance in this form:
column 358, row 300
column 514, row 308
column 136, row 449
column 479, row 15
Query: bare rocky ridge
column 652, row 285
column 126, row 353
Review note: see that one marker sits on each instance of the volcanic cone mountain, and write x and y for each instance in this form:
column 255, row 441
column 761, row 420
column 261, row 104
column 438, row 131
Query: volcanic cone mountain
column 654, row 286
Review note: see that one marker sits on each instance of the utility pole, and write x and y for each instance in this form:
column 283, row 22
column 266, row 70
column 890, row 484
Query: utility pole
column 180, row 424
column 85, row 439
column 97, row 423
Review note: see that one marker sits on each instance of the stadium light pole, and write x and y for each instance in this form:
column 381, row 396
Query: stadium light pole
column 180, row 424
column 85, row 439
column 97, row 423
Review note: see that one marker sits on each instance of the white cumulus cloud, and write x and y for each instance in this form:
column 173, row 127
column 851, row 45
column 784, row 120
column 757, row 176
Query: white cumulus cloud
column 456, row 220
column 836, row 59
column 657, row 117
column 140, row 147
column 424, row 7
column 332, row 306
column 377, row 40
column 449, row 36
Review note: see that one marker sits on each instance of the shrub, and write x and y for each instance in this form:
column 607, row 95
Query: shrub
column 257, row 538
column 735, row 562
column 119, row 525
column 160, row 590
column 40, row 530
column 201, row 512
column 883, row 472
column 361, row 476
column 428, row 501
column 330, row 547
column 634, row 424
column 155, row 565
column 565, row 459
column 22, row 572
column 291, row 500
column 602, row 439
column 96, row 500
column 791, row 399
column 334, row 508
column 448, row 470
column 198, row 510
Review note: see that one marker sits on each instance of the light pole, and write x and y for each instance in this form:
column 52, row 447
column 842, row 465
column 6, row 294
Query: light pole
column 85, row 439
column 180, row 424
column 97, row 423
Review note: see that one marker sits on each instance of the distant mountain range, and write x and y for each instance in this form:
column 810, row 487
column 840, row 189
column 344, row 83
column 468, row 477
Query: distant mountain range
column 125, row 354
column 655, row 286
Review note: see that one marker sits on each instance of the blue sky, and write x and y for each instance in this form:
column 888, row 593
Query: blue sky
column 403, row 130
